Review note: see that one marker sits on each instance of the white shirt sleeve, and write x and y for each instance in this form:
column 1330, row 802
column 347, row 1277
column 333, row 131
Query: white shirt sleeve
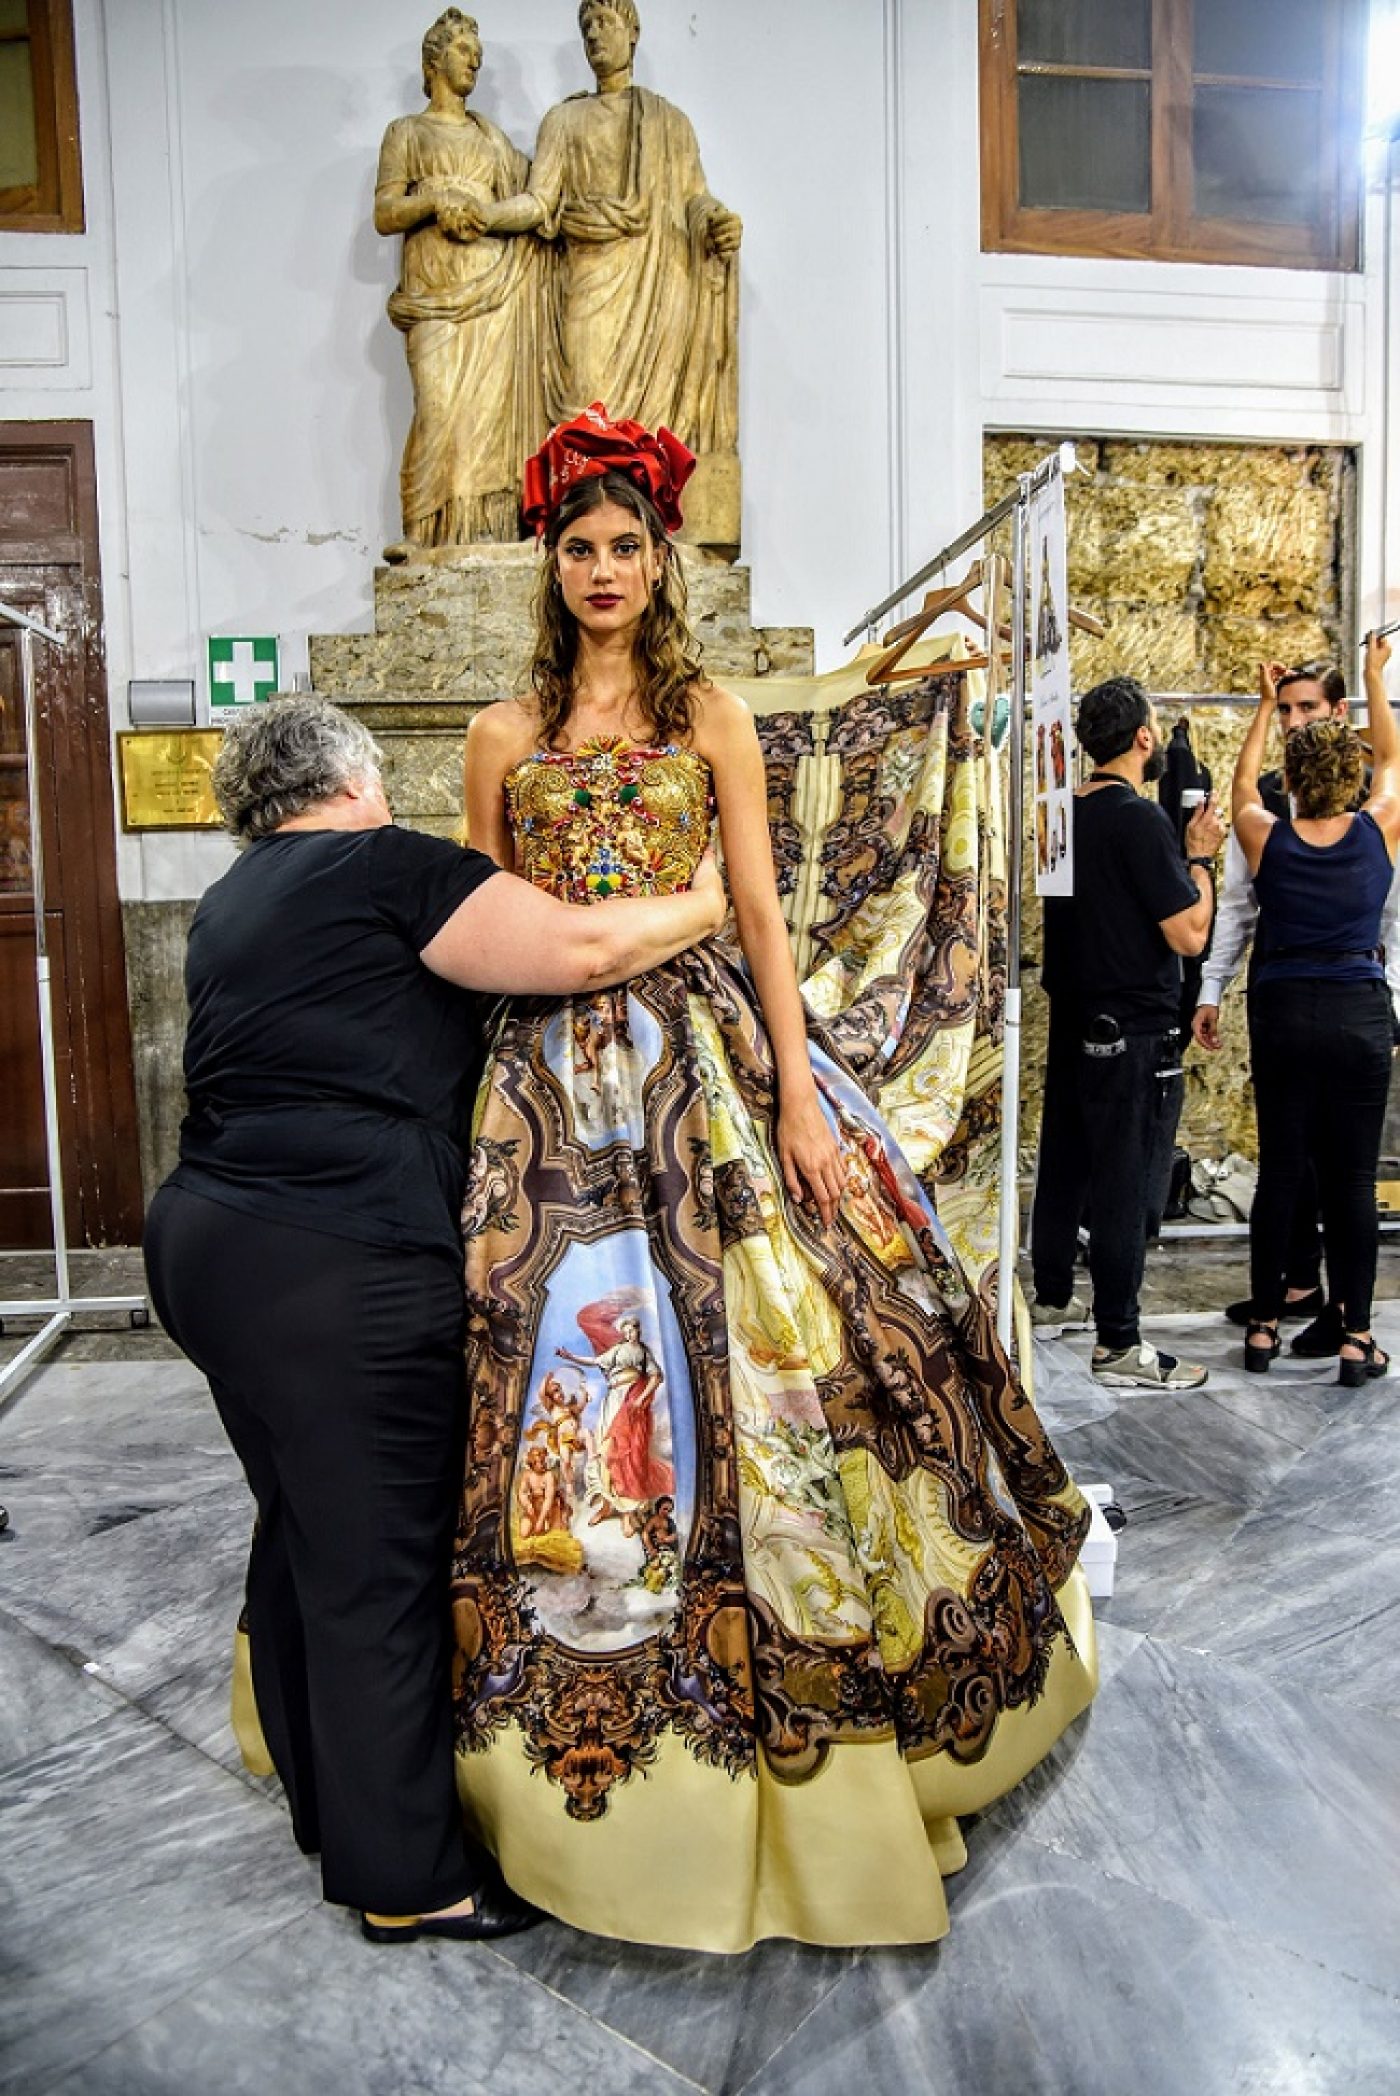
column 1390, row 939
column 1235, row 915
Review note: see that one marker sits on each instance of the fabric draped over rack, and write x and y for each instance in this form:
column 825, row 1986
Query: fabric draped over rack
column 887, row 810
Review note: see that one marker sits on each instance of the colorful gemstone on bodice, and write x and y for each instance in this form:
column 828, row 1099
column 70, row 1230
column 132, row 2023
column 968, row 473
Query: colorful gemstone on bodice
column 608, row 819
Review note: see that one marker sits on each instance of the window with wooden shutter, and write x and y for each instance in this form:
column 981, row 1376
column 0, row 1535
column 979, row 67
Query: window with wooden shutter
column 41, row 188
column 1174, row 130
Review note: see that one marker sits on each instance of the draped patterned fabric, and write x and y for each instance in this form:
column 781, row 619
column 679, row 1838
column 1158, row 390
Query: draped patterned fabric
column 887, row 814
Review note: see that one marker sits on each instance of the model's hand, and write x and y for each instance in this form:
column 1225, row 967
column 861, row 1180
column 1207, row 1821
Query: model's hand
column 708, row 884
column 1205, row 833
column 724, row 232
column 813, row 1168
column 1205, row 1027
column 1377, row 654
column 1269, row 674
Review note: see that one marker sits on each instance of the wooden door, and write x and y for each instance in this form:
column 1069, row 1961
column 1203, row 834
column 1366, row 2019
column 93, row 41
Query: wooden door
column 49, row 568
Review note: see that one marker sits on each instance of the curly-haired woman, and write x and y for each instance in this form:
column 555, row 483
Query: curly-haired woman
column 1320, row 1019
column 817, row 1594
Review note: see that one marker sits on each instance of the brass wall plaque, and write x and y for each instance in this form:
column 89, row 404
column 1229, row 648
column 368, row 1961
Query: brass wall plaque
column 165, row 779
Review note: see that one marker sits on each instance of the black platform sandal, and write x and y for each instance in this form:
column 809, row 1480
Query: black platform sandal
column 1258, row 1359
column 1352, row 1374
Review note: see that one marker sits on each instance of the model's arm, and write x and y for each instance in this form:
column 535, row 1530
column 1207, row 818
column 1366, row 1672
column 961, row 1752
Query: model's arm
column 1383, row 801
column 1252, row 819
column 808, row 1152
column 498, row 738
column 1235, row 914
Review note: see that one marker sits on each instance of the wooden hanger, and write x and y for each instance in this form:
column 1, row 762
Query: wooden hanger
column 955, row 597
column 901, row 638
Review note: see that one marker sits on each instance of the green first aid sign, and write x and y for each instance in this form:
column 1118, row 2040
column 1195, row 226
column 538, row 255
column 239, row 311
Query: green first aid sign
column 241, row 671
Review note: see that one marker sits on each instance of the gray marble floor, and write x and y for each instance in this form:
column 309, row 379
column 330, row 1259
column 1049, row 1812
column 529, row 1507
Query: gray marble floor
column 1195, row 1894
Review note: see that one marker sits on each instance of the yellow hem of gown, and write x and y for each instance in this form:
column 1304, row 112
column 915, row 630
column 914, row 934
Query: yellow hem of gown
column 693, row 1859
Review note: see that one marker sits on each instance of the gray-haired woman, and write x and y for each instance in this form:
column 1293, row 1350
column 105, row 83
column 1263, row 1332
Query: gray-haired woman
column 305, row 1254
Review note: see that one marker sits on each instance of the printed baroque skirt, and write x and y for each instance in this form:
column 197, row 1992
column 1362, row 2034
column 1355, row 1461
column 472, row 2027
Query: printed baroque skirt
column 767, row 1568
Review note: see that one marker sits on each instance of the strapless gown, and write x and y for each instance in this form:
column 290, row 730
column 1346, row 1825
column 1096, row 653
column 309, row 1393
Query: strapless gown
column 766, row 1570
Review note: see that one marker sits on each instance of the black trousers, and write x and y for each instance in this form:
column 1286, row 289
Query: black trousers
column 337, row 1371
column 1305, row 1238
column 1106, row 1137
column 1320, row 1053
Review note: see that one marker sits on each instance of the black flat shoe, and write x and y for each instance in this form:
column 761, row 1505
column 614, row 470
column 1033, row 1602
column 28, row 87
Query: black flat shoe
column 1320, row 1340
column 496, row 1911
column 1313, row 1305
column 1352, row 1374
column 1257, row 1359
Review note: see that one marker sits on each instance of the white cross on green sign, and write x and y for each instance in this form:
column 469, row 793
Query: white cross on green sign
column 241, row 671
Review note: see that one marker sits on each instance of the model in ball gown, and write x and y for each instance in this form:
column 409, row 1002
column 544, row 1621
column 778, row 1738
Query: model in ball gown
column 766, row 1570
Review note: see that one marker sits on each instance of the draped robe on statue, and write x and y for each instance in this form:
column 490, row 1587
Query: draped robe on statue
column 470, row 312
column 647, row 316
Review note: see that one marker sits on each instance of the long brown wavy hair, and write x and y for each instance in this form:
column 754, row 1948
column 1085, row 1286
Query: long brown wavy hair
column 665, row 653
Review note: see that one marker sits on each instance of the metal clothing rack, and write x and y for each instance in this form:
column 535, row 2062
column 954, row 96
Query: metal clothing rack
column 58, row 1310
column 1016, row 506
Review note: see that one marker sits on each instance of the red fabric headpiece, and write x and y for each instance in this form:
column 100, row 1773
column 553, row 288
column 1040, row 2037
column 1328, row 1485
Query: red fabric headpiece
column 593, row 444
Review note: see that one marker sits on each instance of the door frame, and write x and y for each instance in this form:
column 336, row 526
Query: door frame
column 57, row 577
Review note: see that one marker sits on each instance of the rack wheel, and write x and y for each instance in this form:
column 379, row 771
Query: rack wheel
column 140, row 1319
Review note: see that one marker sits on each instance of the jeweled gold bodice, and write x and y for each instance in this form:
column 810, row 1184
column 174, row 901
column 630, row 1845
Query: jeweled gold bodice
column 607, row 819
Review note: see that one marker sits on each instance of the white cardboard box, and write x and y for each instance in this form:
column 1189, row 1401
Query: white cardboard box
column 1099, row 1555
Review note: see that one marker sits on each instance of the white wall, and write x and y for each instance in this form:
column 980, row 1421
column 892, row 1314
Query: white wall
column 222, row 320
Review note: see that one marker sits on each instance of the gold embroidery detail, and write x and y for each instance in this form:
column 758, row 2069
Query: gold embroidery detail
column 606, row 819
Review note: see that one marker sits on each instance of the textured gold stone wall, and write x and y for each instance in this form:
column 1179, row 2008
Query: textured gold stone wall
column 1201, row 559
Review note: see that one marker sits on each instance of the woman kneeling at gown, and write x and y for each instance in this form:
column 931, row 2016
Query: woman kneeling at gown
column 306, row 1255
column 766, row 1568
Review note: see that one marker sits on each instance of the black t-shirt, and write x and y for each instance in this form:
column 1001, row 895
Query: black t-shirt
column 1104, row 950
column 330, row 1074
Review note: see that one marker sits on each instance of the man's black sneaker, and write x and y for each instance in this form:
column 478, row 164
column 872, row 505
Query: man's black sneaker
column 1242, row 1313
column 1320, row 1340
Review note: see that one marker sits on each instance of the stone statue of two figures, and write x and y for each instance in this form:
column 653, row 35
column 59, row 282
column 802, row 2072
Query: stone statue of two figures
column 604, row 270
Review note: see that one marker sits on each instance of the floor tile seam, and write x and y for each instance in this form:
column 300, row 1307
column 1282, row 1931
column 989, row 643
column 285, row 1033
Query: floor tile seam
column 577, row 2008
column 226, row 1965
column 857, row 1961
column 1275, row 1676
column 125, row 1700
column 1315, row 1527
column 1125, row 1413
column 1164, row 1633
column 1251, row 1689
column 1252, row 1686
column 1196, row 1914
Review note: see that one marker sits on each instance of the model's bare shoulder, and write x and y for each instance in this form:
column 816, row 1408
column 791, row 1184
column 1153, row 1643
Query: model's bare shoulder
column 721, row 717
column 504, row 732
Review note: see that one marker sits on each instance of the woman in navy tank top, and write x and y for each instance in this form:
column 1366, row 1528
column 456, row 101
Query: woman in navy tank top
column 1320, row 1024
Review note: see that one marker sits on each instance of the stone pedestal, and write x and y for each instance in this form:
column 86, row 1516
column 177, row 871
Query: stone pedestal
column 453, row 632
